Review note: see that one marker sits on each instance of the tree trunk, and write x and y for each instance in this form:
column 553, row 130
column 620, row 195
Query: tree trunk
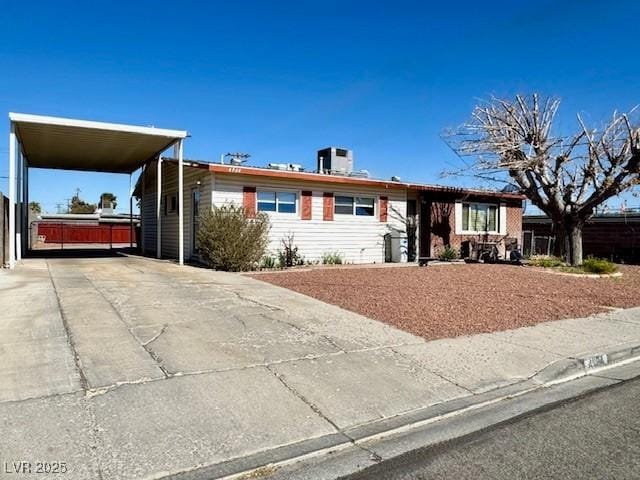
column 573, row 242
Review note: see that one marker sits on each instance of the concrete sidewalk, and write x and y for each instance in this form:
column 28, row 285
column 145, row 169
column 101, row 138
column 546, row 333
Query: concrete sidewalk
column 132, row 368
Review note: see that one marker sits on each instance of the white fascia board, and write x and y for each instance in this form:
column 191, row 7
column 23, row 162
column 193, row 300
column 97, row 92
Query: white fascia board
column 114, row 127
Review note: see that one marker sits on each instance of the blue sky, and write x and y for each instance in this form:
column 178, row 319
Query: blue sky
column 281, row 79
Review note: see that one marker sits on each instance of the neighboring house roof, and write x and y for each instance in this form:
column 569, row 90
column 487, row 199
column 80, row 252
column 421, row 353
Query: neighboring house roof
column 336, row 179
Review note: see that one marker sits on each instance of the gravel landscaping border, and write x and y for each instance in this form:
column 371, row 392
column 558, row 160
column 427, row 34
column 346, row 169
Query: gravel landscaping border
column 437, row 301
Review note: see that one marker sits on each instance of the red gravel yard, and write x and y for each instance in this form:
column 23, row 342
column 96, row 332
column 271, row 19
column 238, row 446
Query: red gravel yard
column 450, row 300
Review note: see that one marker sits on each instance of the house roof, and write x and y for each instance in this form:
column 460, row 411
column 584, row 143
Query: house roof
column 69, row 144
column 340, row 179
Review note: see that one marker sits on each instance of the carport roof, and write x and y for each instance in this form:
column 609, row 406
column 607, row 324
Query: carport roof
column 70, row 144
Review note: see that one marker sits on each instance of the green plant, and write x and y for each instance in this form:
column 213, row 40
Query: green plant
column 229, row 240
column 289, row 256
column 447, row 254
column 332, row 258
column 598, row 265
column 546, row 262
column 268, row 262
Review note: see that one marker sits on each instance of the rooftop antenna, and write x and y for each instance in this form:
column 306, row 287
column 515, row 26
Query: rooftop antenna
column 237, row 158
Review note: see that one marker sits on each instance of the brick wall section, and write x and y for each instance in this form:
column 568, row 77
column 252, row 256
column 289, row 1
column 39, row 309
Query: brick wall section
column 249, row 201
column 327, row 206
column 443, row 226
column 306, row 208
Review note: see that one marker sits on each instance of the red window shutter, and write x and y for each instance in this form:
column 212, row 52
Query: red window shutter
column 306, row 205
column 384, row 206
column 327, row 206
column 249, row 201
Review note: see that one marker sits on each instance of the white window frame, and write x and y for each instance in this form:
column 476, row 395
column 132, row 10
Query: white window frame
column 277, row 191
column 355, row 205
column 499, row 218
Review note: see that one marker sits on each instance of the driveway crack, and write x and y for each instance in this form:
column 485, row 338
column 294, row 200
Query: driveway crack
column 84, row 384
column 311, row 405
column 407, row 357
column 145, row 346
column 373, row 456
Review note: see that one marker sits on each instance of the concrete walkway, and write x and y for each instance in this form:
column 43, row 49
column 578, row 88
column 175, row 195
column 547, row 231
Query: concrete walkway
column 132, row 368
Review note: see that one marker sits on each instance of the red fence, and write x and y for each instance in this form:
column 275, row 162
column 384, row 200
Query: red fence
column 106, row 233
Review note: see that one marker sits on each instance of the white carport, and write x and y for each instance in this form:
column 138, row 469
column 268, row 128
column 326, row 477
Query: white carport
column 37, row 141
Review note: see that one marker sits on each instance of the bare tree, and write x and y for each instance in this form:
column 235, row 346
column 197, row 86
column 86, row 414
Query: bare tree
column 567, row 177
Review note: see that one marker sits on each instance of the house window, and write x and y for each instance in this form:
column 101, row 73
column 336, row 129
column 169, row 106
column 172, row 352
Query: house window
column 361, row 206
column 170, row 204
column 479, row 217
column 281, row 202
column 343, row 205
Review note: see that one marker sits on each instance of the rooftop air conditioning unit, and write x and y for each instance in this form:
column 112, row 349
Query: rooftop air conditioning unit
column 279, row 166
column 334, row 160
column 360, row 174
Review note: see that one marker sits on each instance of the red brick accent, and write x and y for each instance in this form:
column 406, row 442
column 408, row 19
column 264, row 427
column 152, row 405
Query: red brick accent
column 249, row 201
column 306, row 205
column 327, row 206
column 443, row 226
column 384, row 206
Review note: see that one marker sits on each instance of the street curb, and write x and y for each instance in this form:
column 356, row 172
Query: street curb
column 570, row 368
column 556, row 375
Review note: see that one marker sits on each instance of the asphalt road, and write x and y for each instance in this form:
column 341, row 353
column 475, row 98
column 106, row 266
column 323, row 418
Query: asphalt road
column 594, row 437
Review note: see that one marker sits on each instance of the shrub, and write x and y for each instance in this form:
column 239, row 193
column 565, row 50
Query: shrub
column 546, row 262
column 229, row 240
column 268, row 262
column 598, row 265
column 289, row 256
column 332, row 258
column 448, row 253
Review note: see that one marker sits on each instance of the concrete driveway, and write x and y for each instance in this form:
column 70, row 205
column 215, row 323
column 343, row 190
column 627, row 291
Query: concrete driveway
column 127, row 367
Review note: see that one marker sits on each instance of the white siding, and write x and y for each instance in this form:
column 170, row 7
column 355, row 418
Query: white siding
column 169, row 222
column 358, row 239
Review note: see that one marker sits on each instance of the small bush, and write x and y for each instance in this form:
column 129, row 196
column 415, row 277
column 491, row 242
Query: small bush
column 289, row 256
column 332, row 258
column 448, row 253
column 598, row 265
column 546, row 262
column 229, row 240
column 268, row 262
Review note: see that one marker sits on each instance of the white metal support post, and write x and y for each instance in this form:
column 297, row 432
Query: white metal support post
column 130, row 213
column 26, row 231
column 12, row 196
column 19, row 205
column 142, row 180
column 179, row 149
column 158, row 209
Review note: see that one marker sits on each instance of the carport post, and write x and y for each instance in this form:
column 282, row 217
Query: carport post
column 12, row 196
column 179, row 149
column 130, row 214
column 158, row 210
column 19, row 205
column 141, row 223
column 27, row 211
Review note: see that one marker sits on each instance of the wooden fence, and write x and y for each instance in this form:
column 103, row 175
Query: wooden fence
column 74, row 233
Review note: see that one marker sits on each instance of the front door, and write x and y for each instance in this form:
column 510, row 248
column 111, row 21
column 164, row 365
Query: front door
column 195, row 213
